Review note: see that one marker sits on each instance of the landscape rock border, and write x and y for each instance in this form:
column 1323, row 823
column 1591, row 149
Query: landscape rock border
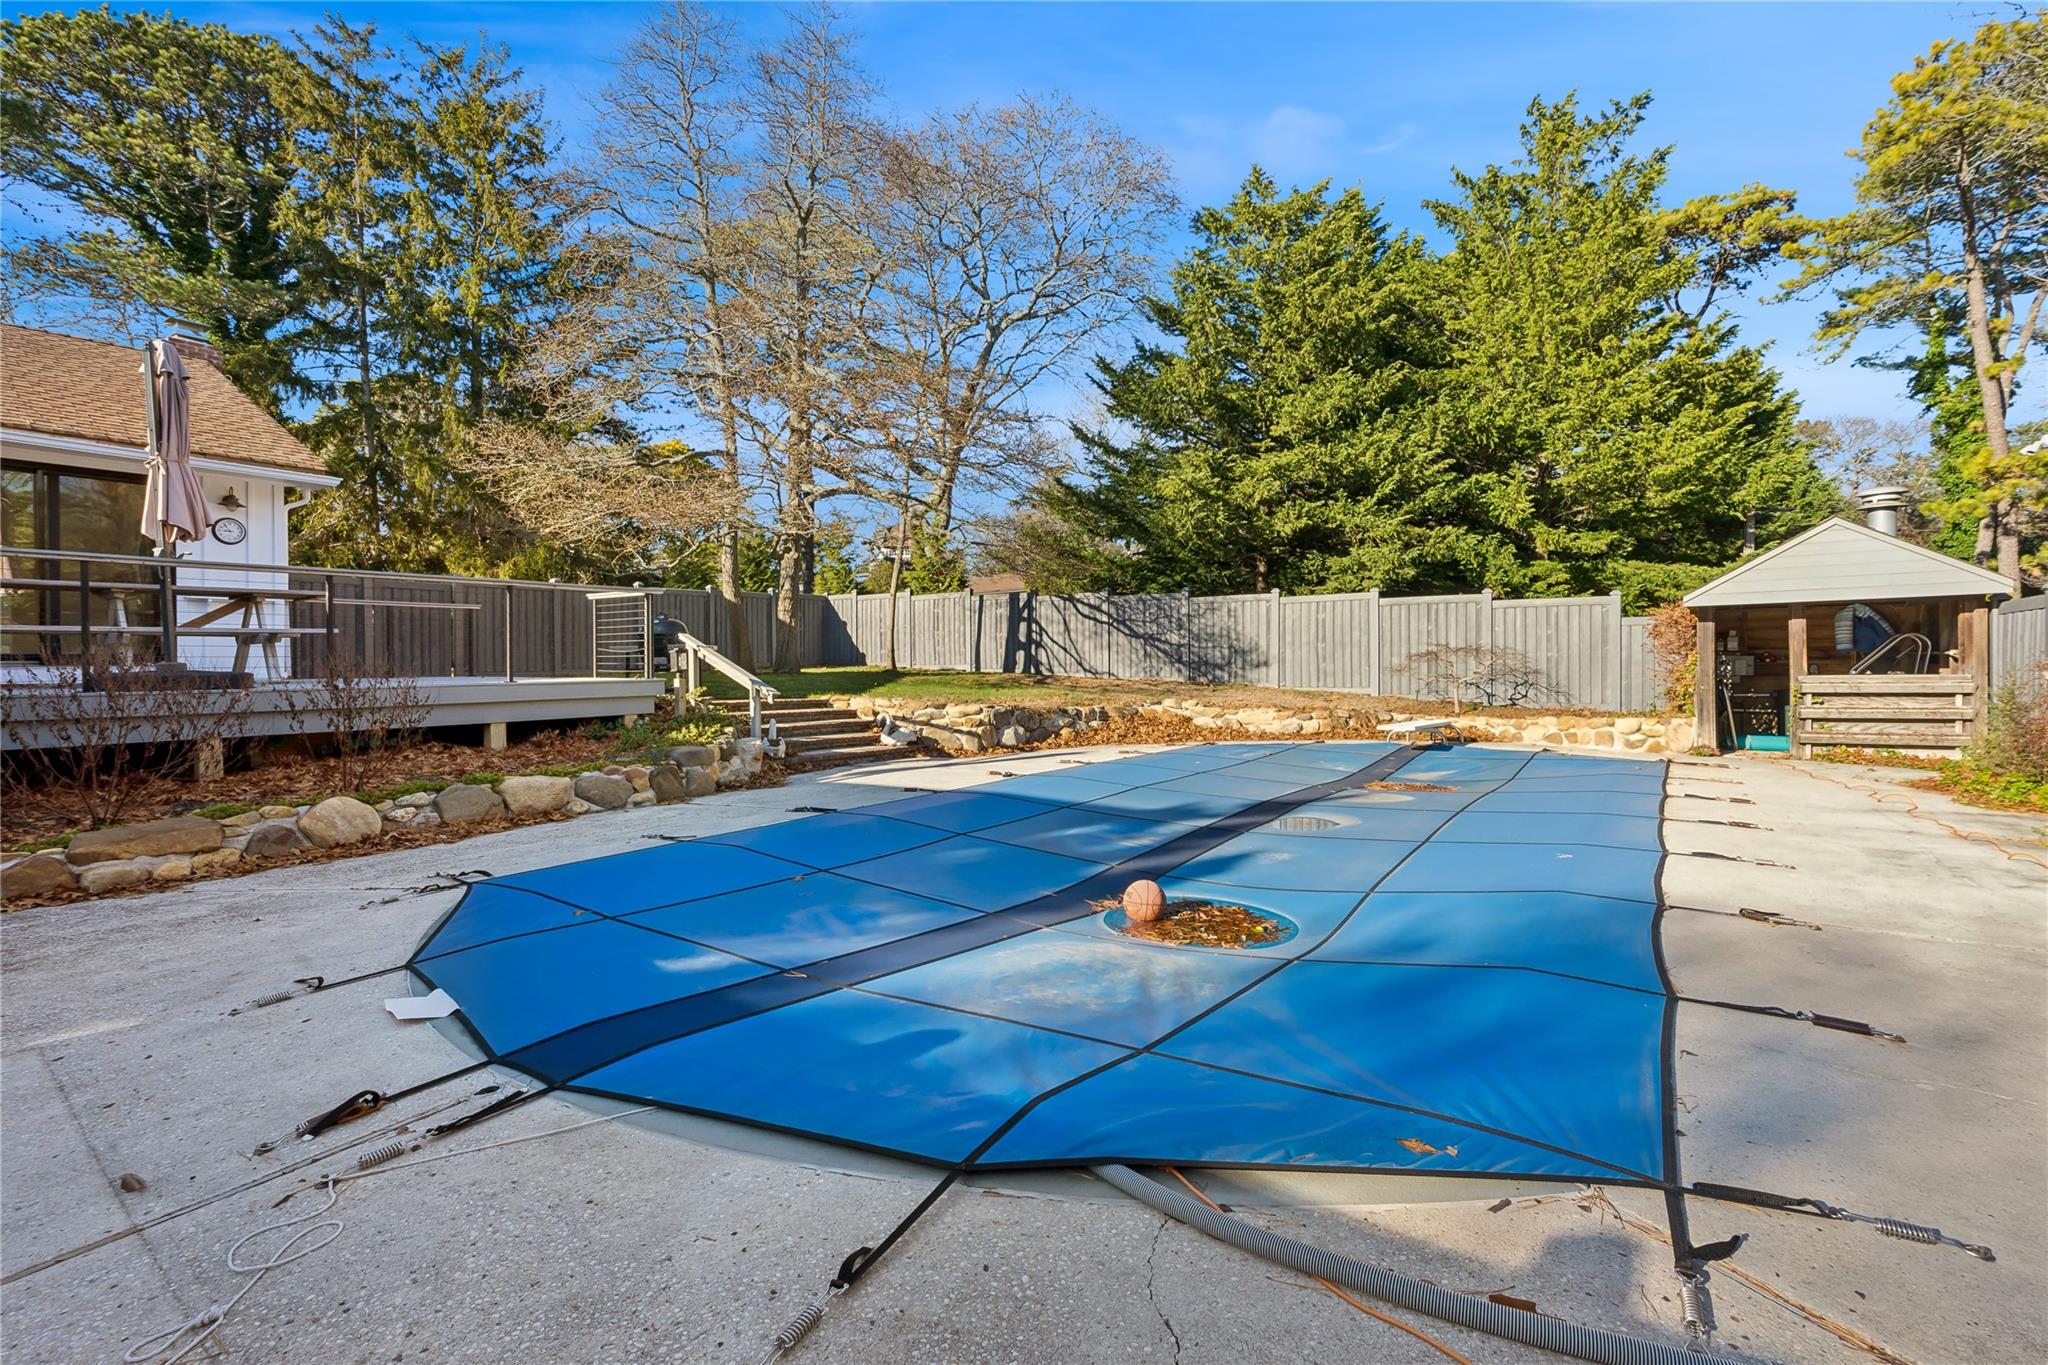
column 154, row 852
column 977, row 727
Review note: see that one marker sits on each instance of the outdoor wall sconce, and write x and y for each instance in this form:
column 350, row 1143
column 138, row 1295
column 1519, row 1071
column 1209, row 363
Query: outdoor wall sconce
column 230, row 502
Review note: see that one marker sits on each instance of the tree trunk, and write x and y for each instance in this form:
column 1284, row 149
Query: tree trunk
column 896, row 567
column 789, row 604
column 2000, row 535
column 742, row 651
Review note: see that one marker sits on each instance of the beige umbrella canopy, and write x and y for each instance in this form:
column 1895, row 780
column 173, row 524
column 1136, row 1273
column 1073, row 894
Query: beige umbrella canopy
column 173, row 504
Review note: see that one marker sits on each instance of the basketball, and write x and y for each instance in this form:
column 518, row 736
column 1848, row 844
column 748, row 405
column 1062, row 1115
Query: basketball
column 1144, row 902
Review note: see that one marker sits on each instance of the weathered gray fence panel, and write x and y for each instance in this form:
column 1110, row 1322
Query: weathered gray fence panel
column 2019, row 644
column 1581, row 651
column 1329, row 642
column 1641, row 689
column 1412, row 627
column 1572, row 645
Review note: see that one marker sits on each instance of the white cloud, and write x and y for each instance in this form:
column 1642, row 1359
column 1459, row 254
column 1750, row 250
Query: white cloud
column 1293, row 141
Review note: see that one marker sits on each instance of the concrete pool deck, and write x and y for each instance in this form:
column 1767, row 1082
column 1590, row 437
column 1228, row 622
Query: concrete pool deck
column 640, row 1240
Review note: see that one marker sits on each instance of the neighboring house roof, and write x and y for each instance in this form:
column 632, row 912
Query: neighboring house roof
column 1840, row 561
column 57, row 385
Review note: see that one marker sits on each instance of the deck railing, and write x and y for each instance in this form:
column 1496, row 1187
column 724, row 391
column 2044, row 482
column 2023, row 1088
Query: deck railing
column 285, row 621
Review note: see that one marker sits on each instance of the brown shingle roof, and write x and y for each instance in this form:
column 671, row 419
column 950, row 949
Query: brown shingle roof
column 61, row 385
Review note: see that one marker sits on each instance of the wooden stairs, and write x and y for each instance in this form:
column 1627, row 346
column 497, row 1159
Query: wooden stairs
column 817, row 734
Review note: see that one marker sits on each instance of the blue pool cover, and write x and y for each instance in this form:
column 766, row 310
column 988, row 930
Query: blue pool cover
column 1473, row 984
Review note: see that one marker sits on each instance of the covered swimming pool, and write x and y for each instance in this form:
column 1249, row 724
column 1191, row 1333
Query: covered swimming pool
column 1472, row 984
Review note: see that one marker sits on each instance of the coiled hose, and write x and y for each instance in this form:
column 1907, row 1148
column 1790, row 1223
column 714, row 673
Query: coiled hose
column 1466, row 1310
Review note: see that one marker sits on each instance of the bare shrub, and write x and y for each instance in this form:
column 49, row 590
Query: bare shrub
column 363, row 714
column 2015, row 738
column 1483, row 675
column 1674, row 649
column 98, row 727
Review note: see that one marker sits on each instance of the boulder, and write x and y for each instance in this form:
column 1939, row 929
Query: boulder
column 415, row 800
column 466, row 802
column 750, row 752
column 273, row 841
column 401, row 815
column 603, row 791
column 576, row 805
column 38, row 875
column 152, row 838
column 203, row 863
column 1628, row 725
column 339, row 820
column 171, row 870
column 667, row 784
column 244, row 820
column 642, row 784
column 278, row 812
column 640, row 799
column 112, row 876
column 429, row 816
column 536, row 795
column 1010, row 736
column 699, row 781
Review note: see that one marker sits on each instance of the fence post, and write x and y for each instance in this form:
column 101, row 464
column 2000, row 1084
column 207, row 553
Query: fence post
column 1273, row 638
column 1372, row 652
column 1615, row 638
column 508, row 638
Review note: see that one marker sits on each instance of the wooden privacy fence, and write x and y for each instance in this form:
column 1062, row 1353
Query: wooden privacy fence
column 1568, row 651
column 2019, row 645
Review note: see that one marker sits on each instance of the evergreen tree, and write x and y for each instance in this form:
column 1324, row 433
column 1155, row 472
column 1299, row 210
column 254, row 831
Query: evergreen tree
column 1595, row 432
column 176, row 143
column 1268, row 447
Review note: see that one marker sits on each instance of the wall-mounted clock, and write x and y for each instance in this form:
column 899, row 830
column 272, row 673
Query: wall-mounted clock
column 229, row 531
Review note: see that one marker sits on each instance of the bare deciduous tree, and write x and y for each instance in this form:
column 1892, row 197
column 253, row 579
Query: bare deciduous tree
column 1012, row 236
column 666, row 173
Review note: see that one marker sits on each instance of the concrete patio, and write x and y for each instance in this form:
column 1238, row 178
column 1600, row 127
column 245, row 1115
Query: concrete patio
column 660, row 1238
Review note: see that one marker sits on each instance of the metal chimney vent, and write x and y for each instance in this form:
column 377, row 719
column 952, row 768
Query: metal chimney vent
column 1881, row 507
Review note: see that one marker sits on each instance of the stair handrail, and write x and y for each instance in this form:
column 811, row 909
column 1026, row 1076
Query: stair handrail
column 684, row 657
column 1921, row 648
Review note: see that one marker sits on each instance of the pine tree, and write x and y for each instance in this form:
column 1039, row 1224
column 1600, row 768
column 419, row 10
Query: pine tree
column 1597, row 433
column 1268, row 447
column 176, row 144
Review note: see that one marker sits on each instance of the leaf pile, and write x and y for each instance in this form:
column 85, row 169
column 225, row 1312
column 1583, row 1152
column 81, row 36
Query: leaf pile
column 1209, row 925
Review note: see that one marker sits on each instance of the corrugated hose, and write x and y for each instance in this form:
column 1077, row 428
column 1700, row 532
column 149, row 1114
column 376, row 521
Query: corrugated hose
column 1466, row 1310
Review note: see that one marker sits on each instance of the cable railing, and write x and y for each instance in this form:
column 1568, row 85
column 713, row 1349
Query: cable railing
column 197, row 617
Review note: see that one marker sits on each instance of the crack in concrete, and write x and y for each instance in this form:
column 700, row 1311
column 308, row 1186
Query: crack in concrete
column 1152, row 1286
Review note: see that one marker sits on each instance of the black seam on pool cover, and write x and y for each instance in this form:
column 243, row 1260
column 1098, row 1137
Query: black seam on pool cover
column 1003, row 1128
column 1622, row 1176
column 601, row 1042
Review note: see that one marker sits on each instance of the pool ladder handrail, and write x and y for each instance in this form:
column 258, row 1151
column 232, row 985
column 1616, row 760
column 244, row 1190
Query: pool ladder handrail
column 689, row 652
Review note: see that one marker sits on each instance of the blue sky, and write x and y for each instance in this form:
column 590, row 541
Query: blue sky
column 1386, row 96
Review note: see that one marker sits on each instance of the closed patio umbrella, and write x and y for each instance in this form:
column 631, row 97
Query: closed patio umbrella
column 173, row 504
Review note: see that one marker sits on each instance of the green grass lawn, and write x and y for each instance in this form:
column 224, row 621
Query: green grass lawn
column 902, row 684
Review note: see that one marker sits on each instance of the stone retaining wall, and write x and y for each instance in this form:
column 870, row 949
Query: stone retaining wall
column 973, row 727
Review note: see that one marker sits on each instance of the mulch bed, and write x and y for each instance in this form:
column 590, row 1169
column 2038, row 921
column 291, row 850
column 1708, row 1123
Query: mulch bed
column 1208, row 924
column 282, row 774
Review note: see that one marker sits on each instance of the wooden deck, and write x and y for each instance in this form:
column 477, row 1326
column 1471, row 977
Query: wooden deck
column 449, row 702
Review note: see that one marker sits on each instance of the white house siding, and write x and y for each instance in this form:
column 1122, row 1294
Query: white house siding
column 267, row 495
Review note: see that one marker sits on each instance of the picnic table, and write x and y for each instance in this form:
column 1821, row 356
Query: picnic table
column 251, row 631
